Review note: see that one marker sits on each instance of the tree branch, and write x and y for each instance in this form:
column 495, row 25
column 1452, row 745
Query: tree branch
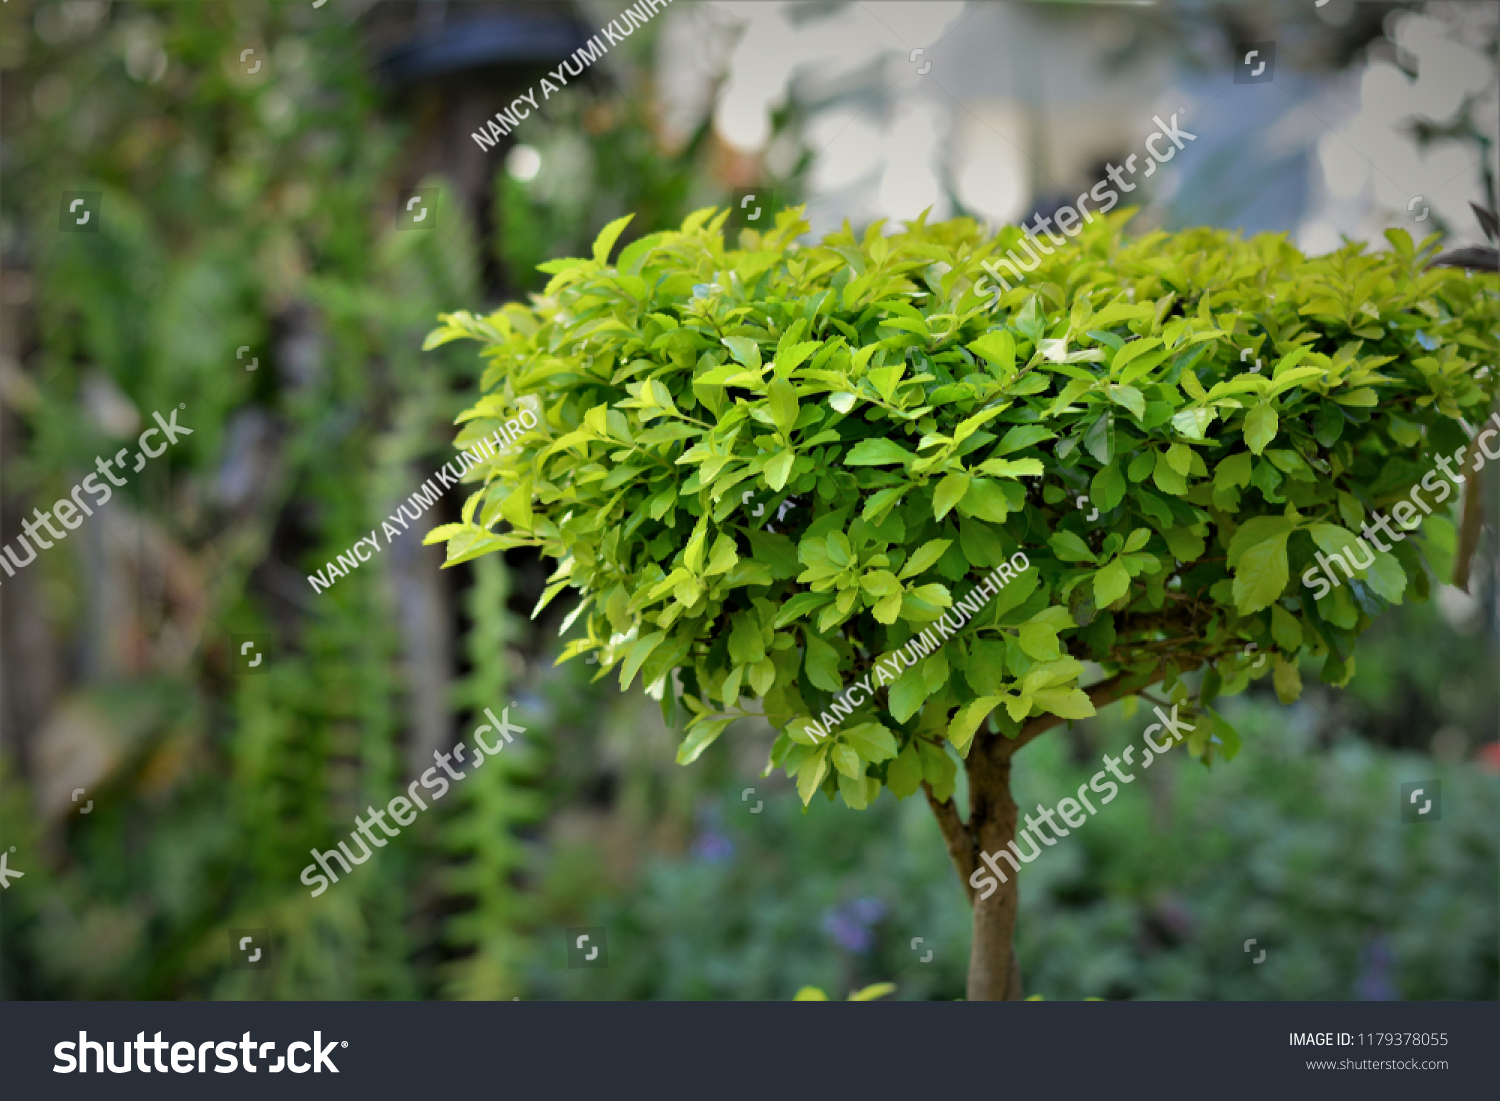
column 956, row 833
column 1100, row 695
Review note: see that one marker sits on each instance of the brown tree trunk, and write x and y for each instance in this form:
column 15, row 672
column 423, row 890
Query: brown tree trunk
column 994, row 971
column 994, row 974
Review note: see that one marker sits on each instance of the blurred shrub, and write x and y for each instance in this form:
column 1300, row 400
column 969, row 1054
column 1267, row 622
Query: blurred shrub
column 1302, row 850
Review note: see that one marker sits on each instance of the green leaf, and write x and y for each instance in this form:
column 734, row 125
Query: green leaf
column 1069, row 703
column 822, row 663
column 1260, row 574
column 1100, row 438
column 985, row 500
column 934, row 594
column 607, row 238
column 1012, row 468
column 1192, row 422
column 800, row 605
column 1257, row 530
column 907, row 695
column 1287, row 679
column 938, row 769
column 1180, row 458
column 763, row 677
column 1108, row 487
column 810, row 774
column 949, row 492
column 928, row 553
column 1285, row 629
column 640, row 650
column 1386, row 577
column 1166, row 477
column 1039, row 641
column 1261, row 424
column 999, row 349
column 1135, row 348
column 873, row 741
column 745, row 644
column 692, row 555
column 904, row 775
column 847, row 761
column 783, row 399
column 790, row 356
column 1111, row 583
column 779, row 468
column 744, row 350
column 700, row 736
column 1184, row 545
column 1130, row 398
column 876, row 452
column 979, row 544
column 1022, row 436
column 723, row 558
column 1333, row 539
column 1227, row 736
column 966, row 722
column 1070, row 548
column 1233, row 471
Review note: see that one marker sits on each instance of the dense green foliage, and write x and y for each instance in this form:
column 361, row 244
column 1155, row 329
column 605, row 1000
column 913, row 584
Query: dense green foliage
column 923, row 431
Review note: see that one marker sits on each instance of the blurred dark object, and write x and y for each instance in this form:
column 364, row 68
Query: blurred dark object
column 503, row 38
column 1475, row 259
column 450, row 69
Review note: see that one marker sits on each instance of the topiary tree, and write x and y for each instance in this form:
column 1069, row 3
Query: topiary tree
column 771, row 471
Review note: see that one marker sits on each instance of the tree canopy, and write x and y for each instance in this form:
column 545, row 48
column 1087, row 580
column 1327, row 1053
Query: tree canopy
column 772, row 468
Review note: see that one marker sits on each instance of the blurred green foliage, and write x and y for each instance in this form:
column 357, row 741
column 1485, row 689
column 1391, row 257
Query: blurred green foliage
column 235, row 212
column 1302, row 849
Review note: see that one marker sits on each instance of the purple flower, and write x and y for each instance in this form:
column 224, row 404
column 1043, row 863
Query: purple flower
column 713, row 846
column 850, row 924
column 1374, row 982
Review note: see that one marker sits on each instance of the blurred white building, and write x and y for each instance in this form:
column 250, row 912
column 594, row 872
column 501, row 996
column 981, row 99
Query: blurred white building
column 996, row 108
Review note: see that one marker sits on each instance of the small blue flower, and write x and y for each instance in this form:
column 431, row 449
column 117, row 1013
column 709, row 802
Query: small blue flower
column 1374, row 983
column 850, row 924
column 713, row 847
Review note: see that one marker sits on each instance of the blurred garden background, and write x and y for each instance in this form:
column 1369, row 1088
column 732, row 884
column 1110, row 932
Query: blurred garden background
column 251, row 265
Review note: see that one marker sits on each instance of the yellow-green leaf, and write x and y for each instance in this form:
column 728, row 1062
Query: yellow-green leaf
column 1261, row 424
column 949, row 492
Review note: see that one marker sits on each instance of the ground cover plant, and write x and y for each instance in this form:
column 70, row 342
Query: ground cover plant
column 779, row 470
